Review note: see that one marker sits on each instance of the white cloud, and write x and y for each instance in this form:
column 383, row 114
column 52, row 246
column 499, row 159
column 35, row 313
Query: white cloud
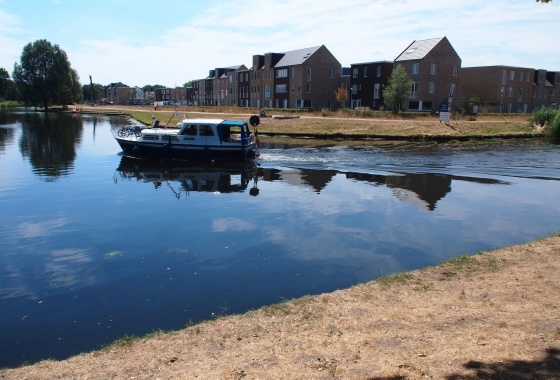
column 193, row 39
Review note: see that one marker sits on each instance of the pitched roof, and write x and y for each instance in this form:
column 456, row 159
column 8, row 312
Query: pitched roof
column 296, row 57
column 418, row 49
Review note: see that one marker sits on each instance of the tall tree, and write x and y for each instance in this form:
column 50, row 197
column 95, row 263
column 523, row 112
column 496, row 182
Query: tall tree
column 5, row 83
column 397, row 90
column 44, row 76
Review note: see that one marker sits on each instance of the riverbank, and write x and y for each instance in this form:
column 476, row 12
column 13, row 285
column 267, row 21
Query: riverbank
column 347, row 124
column 495, row 315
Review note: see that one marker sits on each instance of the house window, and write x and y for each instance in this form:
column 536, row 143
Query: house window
column 378, row 71
column 292, row 71
column 433, row 68
column 309, row 74
column 376, row 90
column 354, row 89
column 528, row 76
column 355, row 72
column 331, row 73
column 267, row 93
column 415, row 68
column 308, row 88
column 455, row 70
column 521, row 76
column 431, row 88
column 504, row 76
column 510, row 92
column 282, row 73
column 281, row 88
column 452, row 88
column 512, row 75
column 520, row 94
column 413, row 90
column 365, row 72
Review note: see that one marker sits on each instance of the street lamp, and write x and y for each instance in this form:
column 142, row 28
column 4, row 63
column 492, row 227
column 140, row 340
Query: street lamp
column 502, row 99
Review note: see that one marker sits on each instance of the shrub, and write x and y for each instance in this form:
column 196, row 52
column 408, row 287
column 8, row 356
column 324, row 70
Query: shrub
column 543, row 116
column 554, row 126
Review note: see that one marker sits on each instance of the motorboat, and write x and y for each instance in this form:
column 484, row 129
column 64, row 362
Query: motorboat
column 192, row 139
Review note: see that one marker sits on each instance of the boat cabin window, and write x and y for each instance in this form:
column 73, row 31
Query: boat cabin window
column 189, row 131
column 206, row 130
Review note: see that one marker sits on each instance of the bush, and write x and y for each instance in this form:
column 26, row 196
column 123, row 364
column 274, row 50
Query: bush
column 543, row 116
column 554, row 126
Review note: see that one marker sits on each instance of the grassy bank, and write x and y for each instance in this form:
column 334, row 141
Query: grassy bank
column 349, row 125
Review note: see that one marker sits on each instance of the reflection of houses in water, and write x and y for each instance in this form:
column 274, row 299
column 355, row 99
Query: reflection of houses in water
column 309, row 178
column 422, row 190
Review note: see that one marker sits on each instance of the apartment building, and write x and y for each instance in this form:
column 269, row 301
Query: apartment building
column 546, row 89
column 499, row 88
column 433, row 66
column 120, row 93
column 366, row 83
column 304, row 78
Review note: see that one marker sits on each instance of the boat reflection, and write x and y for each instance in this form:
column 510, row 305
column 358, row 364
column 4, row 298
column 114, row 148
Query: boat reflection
column 222, row 178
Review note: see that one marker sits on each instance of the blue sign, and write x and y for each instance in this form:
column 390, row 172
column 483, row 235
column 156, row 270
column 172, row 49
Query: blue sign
column 444, row 107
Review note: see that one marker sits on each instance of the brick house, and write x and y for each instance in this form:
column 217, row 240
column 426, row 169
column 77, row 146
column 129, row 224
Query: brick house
column 120, row 93
column 366, row 83
column 500, row 88
column 545, row 89
column 433, row 66
column 304, row 78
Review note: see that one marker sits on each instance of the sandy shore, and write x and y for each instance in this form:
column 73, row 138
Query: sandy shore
column 491, row 316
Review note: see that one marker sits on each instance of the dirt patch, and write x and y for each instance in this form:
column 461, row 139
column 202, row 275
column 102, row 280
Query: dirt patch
column 494, row 315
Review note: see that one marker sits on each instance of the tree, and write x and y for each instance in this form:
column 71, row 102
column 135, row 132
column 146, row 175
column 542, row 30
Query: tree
column 5, row 83
column 543, row 1
column 45, row 76
column 89, row 95
column 398, row 89
column 341, row 94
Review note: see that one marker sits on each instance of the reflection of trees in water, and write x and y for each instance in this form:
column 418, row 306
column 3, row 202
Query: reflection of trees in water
column 49, row 141
column 7, row 135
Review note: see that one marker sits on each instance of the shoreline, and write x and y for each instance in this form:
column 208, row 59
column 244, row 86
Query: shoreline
column 340, row 126
column 492, row 315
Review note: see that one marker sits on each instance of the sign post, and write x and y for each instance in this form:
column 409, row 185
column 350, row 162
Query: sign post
column 444, row 112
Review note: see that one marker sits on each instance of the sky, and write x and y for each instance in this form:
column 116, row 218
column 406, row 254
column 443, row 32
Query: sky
column 165, row 42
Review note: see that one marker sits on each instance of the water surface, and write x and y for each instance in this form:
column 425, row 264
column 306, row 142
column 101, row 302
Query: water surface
column 95, row 245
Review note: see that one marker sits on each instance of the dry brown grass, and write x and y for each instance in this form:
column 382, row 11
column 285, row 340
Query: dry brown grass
column 494, row 316
column 347, row 124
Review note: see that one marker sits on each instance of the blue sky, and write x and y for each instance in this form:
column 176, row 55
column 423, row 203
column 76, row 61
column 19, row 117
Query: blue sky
column 166, row 42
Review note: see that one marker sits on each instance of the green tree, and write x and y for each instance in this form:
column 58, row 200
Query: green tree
column 5, row 83
column 88, row 95
column 397, row 90
column 543, row 1
column 45, row 77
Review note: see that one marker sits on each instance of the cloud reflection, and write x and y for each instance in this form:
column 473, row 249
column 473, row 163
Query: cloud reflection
column 231, row 224
column 32, row 230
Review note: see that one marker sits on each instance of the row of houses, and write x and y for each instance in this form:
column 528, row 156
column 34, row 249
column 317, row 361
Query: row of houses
column 308, row 79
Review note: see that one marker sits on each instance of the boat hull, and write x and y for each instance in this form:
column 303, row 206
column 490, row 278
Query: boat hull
column 190, row 152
